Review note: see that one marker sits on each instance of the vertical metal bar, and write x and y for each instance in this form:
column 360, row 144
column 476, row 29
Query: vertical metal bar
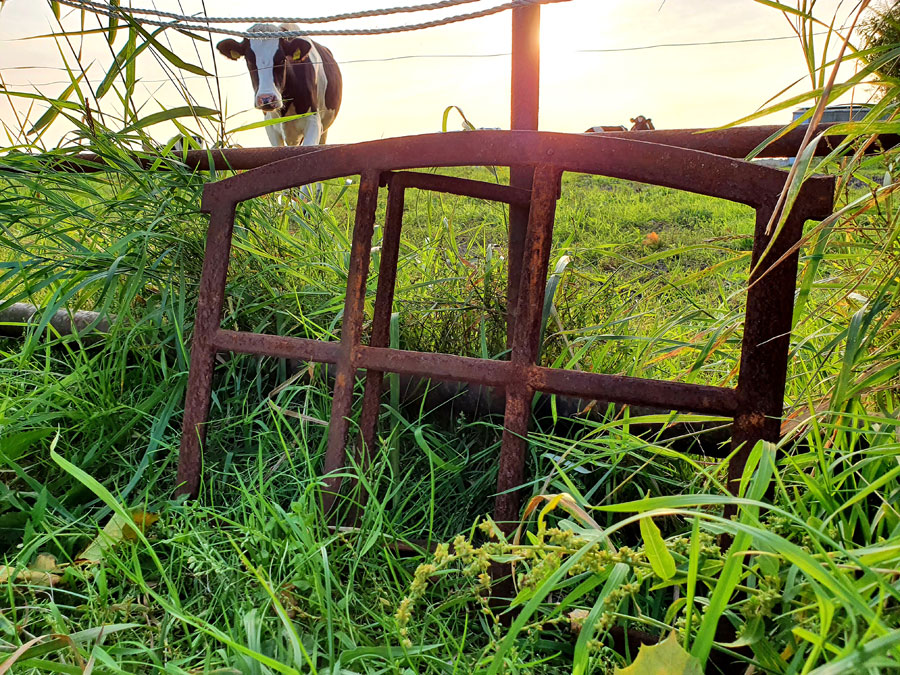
column 351, row 333
column 526, row 340
column 384, row 301
column 203, row 353
column 526, row 66
column 764, row 351
column 524, row 108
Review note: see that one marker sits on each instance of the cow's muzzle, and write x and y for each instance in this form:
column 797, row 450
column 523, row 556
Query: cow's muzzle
column 268, row 102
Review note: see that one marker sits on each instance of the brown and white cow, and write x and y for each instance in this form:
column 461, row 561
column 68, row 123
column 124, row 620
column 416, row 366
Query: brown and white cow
column 290, row 76
column 641, row 123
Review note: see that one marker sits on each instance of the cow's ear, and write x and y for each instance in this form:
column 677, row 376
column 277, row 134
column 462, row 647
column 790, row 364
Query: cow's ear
column 233, row 49
column 296, row 49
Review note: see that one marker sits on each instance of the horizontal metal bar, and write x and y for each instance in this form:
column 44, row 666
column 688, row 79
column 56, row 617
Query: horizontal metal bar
column 739, row 142
column 444, row 367
column 679, row 396
column 693, row 398
column 459, row 186
column 664, row 165
column 276, row 345
column 736, row 142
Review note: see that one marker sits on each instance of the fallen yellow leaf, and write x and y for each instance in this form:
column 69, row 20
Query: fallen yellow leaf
column 116, row 531
column 666, row 658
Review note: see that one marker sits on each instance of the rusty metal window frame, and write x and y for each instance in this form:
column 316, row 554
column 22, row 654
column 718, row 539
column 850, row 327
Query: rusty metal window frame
column 755, row 404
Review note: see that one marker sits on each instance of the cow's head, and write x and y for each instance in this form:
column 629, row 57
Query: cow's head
column 641, row 123
column 267, row 60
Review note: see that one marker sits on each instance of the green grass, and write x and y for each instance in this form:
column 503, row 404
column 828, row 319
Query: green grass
column 250, row 572
column 249, row 578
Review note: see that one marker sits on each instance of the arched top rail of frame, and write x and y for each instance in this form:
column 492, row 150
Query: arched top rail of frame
column 664, row 165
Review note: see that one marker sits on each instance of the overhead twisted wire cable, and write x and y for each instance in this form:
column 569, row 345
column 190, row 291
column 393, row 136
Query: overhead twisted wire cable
column 91, row 5
column 109, row 10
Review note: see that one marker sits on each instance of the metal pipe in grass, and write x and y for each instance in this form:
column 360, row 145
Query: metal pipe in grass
column 15, row 320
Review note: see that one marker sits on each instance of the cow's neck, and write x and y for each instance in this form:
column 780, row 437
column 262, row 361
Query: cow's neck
column 288, row 92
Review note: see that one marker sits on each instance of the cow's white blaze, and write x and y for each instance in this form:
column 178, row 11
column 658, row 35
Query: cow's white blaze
column 264, row 51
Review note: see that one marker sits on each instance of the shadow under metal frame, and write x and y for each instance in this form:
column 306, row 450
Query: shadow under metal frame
column 756, row 404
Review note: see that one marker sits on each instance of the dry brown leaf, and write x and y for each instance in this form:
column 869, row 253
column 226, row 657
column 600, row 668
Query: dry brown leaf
column 576, row 619
column 12, row 658
column 44, row 571
column 116, row 531
column 28, row 576
column 44, row 562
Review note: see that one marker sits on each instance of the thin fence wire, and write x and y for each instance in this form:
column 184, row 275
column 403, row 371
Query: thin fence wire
column 405, row 57
column 182, row 25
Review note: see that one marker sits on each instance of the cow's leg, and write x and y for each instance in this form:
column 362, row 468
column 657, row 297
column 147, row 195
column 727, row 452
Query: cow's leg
column 323, row 137
column 313, row 131
column 275, row 132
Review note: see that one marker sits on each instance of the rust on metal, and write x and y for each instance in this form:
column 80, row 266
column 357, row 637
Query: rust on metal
column 526, row 341
column 755, row 404
column 737, row 142
column 444, row 367
column 767, row 331
column 667, row 166
column 351, row 333
column 203, row 350
column 400, row 180
column 525, row 84
column 300, row 349
column 698, row 398
column 384, row 298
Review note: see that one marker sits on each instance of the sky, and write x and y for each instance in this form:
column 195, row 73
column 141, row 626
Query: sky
column 603, row 62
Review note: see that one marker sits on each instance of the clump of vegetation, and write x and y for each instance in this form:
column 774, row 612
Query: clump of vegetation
column 880, row 32
column 623, row 542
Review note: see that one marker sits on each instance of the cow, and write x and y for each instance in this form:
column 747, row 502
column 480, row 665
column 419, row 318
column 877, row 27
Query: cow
column 641, row 123
column 290, row 76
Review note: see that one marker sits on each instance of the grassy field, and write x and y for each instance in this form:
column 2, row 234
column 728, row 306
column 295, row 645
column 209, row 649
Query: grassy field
column 249, row 579
column 250, row 573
